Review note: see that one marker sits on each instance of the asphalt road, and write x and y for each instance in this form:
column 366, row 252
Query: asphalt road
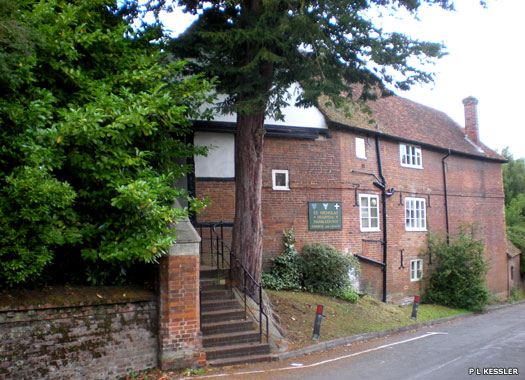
column 487, row 346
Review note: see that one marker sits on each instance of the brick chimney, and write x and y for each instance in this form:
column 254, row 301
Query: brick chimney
column 471, row 119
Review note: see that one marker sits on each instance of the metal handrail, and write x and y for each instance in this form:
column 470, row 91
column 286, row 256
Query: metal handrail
column 217, row 248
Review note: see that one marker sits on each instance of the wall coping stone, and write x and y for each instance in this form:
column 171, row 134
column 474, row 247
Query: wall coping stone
column 188, row 239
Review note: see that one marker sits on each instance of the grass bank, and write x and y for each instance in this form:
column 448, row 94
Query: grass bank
column 297, row 314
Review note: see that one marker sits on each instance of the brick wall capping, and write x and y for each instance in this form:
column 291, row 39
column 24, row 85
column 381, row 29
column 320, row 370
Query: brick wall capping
column 188, row 239
column 64, row 297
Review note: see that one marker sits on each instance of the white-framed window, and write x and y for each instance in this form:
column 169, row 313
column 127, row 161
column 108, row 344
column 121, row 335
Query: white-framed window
column 360, row 148
column 416, row 270
column 369, row 212
column 415, row 214
column 410, row 156
column 280, row 180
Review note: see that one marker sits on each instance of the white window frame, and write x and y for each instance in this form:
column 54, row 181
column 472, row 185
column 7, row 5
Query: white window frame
column 367, row 212
column 410, row 156
column 360, row 148
column 415, row 214
column 416, row 270
column 274, row 180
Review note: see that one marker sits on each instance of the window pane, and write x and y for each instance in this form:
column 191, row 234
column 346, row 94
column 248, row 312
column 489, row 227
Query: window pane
column 360, row 150
column 280, row 179
column 373, row 202
column 374, row 223
column 364, row 201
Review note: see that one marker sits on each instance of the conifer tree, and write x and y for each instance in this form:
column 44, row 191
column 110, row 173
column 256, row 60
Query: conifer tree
column 258, row 48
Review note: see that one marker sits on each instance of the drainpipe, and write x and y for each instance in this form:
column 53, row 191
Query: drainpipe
column 445, row 193
column 384, row 194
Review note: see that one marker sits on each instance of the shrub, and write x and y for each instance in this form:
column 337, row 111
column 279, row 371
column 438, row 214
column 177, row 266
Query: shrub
column 285, row 273
column 458, row 277
column 325, row 269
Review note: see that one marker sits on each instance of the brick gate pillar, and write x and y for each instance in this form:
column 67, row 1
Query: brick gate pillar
column 180, row 339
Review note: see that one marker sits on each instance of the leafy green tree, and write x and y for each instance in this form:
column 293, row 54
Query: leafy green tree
column 258, row 49
column 514, row 186
column 458, row 277
column 513, row 177
column 93, row 119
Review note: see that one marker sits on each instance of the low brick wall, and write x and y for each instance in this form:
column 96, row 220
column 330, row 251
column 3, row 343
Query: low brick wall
column 103, row 341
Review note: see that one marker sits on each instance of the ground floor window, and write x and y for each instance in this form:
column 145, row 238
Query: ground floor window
column 369, row 212
column 416, row 269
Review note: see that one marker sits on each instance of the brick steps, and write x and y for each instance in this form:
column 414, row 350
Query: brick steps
column 240, row 360
column 223, row 339
column 222, row 304
column 216, row 294
column 237, row 350
column 227, row 337
column 222, row 315
column 226, row 326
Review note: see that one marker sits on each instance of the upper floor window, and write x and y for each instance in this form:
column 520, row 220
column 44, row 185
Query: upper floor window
column 410, row 156
column 369, row 212
column 360, row 148
column 280, row 180
column 415, row 214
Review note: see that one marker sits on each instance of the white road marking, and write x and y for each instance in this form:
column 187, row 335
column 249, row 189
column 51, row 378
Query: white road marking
column 328, row 360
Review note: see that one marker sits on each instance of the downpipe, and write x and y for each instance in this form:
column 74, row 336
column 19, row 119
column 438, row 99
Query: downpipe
column 443, row 164
column 384, row 194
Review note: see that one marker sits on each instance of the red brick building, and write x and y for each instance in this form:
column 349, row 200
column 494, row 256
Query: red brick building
column 370, row 186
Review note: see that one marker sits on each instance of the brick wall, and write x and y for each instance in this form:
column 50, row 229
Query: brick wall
column 327, row 169
column 78, row 342
column 180, row 339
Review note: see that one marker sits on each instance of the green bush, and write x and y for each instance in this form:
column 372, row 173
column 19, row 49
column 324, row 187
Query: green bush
column 285, row 273
column 458, row 276
column 325, row 269
column 34, row 217
column 320, row 268
column 94, row 119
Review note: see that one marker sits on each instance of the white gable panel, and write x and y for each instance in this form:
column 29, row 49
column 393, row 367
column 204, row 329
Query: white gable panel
column 220, row 161
column 293, row 116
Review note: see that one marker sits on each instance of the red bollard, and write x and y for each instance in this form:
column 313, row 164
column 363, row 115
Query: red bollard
column 317, row 323
column 414, row 308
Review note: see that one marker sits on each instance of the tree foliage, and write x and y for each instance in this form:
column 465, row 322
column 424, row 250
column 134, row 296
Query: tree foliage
column 259, row 48
column 92, row 124
column 514, row 186
column 458, row 277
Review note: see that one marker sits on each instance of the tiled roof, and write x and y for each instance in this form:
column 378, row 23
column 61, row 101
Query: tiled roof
column 407, row 120
column 512, row 250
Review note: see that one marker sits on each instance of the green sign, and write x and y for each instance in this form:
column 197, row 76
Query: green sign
column 323, row 216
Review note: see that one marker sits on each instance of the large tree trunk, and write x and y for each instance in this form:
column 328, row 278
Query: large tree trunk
column 247, row 239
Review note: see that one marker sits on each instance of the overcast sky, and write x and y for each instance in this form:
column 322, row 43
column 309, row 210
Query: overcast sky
column 485, row 60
